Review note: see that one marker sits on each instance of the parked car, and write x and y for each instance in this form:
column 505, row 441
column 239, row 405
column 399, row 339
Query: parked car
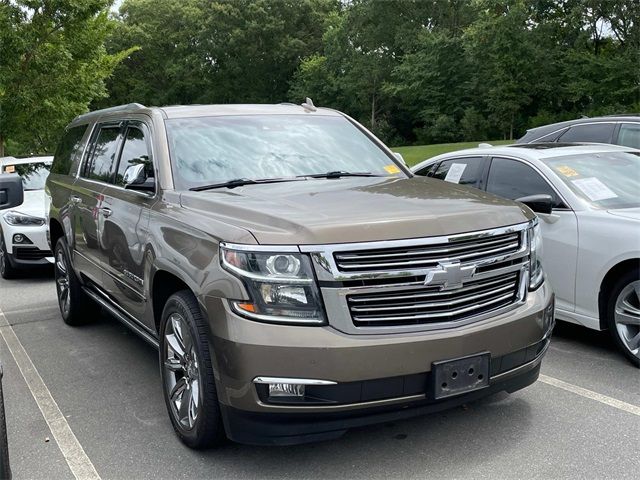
column 23, row 229
column 589, row 202
column 296, row 278
column 11, row 195
column 617, row 129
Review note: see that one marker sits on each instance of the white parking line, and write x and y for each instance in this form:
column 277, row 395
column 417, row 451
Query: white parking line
column 584, row 392
column 74, row 454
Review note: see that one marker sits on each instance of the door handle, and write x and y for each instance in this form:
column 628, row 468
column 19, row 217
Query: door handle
column 106, row 211
column 75, row 199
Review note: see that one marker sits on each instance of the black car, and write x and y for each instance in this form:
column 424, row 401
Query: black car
column 616, row 129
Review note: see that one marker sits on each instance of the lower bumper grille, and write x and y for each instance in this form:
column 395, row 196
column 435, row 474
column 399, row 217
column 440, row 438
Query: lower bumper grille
column 430, row 305
column 31, row 253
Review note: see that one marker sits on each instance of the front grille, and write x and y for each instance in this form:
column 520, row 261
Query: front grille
column 31, row 253
column 418, row 306
column 427, row 256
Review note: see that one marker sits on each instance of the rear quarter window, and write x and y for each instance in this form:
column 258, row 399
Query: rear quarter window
column 68, row 150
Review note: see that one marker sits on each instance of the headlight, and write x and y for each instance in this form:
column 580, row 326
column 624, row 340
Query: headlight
column 281, row 285
column 535, row 267
column 22, row 220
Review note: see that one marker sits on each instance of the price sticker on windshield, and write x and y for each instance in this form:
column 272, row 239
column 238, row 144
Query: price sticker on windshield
column 567, row 171
column 10, row 168
column 392, row 169
column 455, row 172
column 594, row 189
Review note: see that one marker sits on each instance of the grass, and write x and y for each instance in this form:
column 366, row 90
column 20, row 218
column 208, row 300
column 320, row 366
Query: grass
column 416, row 154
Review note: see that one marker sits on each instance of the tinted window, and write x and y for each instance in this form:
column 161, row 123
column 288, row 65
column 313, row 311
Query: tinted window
column 67, row 148
column 134, row 151
column 464, row 171
column 629, row 135
column 426, row 171
column 103, row 156
column 594, row 133
column 512, row 179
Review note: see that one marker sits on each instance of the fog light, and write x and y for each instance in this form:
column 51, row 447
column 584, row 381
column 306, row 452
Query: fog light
column 286, row 390
column 17, row 238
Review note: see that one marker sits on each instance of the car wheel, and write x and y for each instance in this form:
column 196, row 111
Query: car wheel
column 7, row 270
column 76, row 307
column 623, row 315
column 187, row 373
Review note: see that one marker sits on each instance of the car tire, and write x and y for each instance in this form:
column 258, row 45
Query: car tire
column 75, row 305
column 7, row 270
column 623, row 315
column 187, row 373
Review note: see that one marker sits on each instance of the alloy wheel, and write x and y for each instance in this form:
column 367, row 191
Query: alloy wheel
column 627, row 317
column 62, row 282
column 182, row 374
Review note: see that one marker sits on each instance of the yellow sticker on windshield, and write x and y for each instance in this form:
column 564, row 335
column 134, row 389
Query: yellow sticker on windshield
column 567, row 171
column 10, row 168
column 392, row 169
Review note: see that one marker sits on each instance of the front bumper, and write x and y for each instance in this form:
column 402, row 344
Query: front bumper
column 33, row 253
column 244, row 349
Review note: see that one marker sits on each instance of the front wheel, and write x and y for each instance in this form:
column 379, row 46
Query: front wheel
column 7, row 271
column 623, row 315
column 187, row 373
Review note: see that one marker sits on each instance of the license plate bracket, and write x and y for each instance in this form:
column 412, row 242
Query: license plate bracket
column 460, row 375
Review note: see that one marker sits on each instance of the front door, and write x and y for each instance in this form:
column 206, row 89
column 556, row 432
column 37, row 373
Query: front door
column 125, row 225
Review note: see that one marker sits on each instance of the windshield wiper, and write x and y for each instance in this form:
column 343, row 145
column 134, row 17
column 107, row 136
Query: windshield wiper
column 338, row 174
column 239, row 182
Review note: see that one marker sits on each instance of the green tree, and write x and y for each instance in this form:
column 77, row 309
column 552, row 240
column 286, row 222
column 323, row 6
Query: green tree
column 52, row 64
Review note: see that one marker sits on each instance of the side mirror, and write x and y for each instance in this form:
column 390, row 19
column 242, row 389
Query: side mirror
column 134, row 175
column 11, row 191
column 538, row 203
column 399, row 156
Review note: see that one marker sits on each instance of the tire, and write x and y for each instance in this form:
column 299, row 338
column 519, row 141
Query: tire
column 186, row 370
column 76, row 307
column 5, row 469
column 623, row 315
column 7, row 270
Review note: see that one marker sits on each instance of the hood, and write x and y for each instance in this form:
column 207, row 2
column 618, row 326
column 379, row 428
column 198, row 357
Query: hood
column 355, row 209
column 33, row 204
column 632, row 213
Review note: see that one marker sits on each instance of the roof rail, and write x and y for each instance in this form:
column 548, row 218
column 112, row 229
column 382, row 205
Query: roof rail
column 118, row 108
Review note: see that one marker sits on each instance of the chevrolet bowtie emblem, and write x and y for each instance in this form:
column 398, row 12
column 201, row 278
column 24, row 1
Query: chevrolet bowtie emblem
column 449, row 275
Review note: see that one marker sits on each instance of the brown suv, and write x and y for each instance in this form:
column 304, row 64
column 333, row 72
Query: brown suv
column 297, row 279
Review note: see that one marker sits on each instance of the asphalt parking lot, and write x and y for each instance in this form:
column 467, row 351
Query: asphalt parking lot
column 582, row 419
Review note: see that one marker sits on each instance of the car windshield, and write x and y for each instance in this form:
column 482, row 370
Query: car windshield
column 210, row 150
column 606, row 180
column 34, row 175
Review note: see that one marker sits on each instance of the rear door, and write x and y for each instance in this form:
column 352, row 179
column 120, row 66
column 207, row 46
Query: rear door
column 125, row 223
column 87, row 199
column 513, row 179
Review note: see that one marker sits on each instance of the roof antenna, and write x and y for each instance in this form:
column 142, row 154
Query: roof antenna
column 308, row 105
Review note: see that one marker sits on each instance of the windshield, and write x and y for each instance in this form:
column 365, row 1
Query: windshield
column 606, row 180
column 34, row 175
column 206, row 150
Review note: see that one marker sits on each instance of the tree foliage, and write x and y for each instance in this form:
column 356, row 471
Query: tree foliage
column 52, row 64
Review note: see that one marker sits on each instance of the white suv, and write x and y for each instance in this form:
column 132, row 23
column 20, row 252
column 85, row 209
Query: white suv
column 23, row 229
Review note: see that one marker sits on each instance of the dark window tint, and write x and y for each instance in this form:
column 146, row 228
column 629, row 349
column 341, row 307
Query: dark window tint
column 512, row 179
column 134, row 151
column 426, row 171
column 103, row 156
column 67, row 149
column 629, row 135
column 594, row 133
column 464, row 171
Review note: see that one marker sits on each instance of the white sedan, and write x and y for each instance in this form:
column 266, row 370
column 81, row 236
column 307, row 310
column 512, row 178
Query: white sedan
column 591, row 231
column 23, row 229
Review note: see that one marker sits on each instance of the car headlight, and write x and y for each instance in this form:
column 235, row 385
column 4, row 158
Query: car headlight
column 535, row 268
column 22, row 220
column 282, row 285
